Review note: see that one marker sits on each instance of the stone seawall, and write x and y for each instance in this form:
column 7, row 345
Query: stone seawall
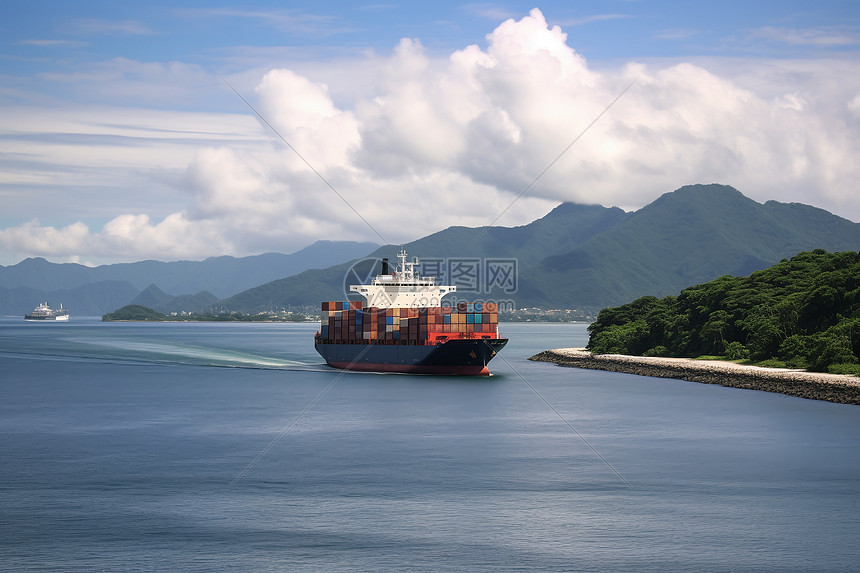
column 812, row 385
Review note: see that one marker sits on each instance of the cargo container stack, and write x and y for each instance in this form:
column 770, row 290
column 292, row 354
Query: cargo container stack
column 351, row 323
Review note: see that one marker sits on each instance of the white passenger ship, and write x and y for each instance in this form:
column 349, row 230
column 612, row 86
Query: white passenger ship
column 45, row 312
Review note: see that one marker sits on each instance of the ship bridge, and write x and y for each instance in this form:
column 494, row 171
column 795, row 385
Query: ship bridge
column 403, row 288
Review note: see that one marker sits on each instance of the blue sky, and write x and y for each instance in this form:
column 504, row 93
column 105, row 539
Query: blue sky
column 120, row 140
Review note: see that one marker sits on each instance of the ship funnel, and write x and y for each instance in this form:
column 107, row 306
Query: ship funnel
column 385, row 266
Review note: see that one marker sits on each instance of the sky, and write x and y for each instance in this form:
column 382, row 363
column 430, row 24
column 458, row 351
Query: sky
column 189, row 129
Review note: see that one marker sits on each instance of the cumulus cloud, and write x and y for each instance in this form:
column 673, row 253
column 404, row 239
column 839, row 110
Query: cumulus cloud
column 427, row 142
column 32, row 237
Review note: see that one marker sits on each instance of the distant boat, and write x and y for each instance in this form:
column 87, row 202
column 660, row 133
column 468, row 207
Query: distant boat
column 45, row 312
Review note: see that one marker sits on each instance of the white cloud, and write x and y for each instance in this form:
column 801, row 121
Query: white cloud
column 422, row 143
column 303, row 114
column 32, row 237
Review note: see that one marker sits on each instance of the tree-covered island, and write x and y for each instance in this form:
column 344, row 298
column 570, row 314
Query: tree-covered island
column 139, row 313
column 800, row 313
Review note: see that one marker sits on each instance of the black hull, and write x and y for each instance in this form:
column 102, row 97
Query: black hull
column 467, row 357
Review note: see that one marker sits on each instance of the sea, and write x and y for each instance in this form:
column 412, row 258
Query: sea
column 232, row 447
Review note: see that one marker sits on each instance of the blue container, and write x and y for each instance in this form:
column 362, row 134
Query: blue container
column 396, row 335
column 470, row 318
column 324, row 331
column 479, row 307
column 389, row 320
column 446, row 319
column 479, row 318
column 359, row 317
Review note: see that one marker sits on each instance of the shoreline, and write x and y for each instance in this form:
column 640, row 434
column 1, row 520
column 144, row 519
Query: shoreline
column 838, row 388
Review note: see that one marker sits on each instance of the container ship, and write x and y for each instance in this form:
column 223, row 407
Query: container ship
column 45, row 312
column 402, row 326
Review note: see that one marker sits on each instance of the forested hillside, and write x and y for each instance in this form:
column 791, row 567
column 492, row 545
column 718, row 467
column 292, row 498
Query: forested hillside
column 589, row 257
column 802, row 313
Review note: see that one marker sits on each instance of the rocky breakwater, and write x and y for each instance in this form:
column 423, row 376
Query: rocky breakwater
column 812, row 385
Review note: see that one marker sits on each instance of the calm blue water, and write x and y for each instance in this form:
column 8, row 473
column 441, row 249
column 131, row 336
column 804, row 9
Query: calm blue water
column 154, row 447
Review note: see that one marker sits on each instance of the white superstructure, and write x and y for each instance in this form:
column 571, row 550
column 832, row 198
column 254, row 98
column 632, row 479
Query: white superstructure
column 403, row 288
column 45, row 312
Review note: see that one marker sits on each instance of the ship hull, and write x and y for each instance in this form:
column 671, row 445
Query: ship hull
column 468, row 357
column 57, row 318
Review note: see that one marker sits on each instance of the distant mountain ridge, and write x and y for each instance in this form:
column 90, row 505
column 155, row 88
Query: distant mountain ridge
column 689, row 236
column 97, row 290
column 577, row 256
column 589, row 256
column 224, row 275
column 567, row 225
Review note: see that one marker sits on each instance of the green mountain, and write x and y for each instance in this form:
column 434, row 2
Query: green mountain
column 156, row 299
column 587, row 256
column 135, row 313
column 689, row 236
